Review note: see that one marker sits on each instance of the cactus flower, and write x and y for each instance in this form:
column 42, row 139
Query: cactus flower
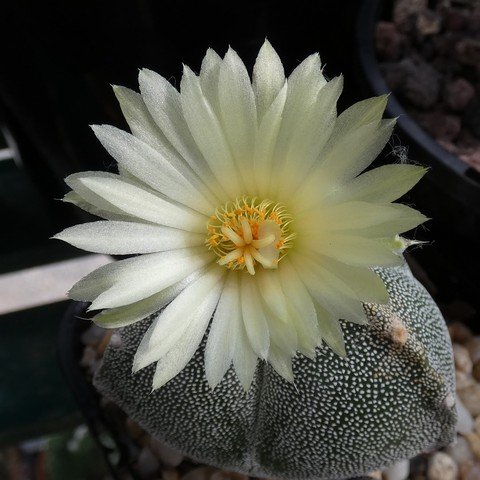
column 247, row 205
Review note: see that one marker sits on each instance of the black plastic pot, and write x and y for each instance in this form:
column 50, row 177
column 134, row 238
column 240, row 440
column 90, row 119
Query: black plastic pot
column 456, row 178
column 449, row 193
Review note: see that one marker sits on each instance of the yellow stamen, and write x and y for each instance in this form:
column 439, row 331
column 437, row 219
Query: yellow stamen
column 239, row 231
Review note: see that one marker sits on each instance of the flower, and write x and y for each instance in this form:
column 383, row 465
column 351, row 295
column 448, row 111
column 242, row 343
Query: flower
column 248, row 204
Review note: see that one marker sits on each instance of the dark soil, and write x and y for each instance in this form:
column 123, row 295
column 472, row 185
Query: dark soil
column 429, row 53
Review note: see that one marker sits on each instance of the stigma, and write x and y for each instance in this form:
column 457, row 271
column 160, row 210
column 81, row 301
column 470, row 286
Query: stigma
column 247, row 233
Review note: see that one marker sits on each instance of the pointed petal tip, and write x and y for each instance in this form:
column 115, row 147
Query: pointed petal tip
column 383, row 98
column 246, row 387
column 309, row 353
column 135, row 367
column 212, row 384
column 231, row 54
column 187, row 71
column 211, row 51
column 98, row 128
column 340, row 351
column 145, row 71
column 267, row 45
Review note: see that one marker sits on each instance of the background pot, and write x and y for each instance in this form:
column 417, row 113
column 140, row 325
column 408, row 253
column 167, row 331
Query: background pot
column 449, row 193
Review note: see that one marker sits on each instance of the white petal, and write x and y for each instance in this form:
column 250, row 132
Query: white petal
column 128, row 281
column 135, row 201
column 283, row 335
column 272, row 293
column 122, row 238
column 209, row 74
column 208, row 133
column 304, row 83
column 360, row 113
column 282, row 363
column 268, row 78
column 331, row 292
column 365, row 218
column 152, row 280
column 358, row 251
column 148, row 164
column 238, row 111
column 383, row 184
column 163, row 102
column 350, row 156
column 191, row 310
column 123, row 316
column 402, row 219
column 331, row 331
column 254, row 317
column 310, row 136
column 303, row 313
column 177, row 358
column 322, row 280
column 354, row 152
column 244, row 358
column 102, row 208
column 366, row 285
column 98, row 281
column 139, row 119
column 223, row 332
column 266, row 141
column 144, row 127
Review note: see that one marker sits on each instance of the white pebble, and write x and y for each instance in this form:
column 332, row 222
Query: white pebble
column 167, row 455
column 398, row 471
column 147, row 463
column 92, row 336
column 470, row 397
column 442, row 467
column 89, row 357
column 463, row 362
column 473, row 346
column 115, row 340
column 465, row 421
column 460, row 451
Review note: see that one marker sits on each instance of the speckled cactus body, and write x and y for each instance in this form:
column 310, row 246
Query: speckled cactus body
column 392, row 397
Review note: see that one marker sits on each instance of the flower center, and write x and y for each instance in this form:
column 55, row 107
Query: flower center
column 248, row 231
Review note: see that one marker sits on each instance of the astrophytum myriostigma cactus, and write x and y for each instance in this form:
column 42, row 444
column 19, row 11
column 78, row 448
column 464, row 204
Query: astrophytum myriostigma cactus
column 270, row 287
column 390, row 398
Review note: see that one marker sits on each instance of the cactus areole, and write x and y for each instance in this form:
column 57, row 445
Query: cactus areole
column 269, row 305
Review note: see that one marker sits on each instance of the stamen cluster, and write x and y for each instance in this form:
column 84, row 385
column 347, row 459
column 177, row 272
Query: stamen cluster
column 246, row 232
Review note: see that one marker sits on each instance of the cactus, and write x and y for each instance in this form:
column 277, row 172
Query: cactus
column 390, row 398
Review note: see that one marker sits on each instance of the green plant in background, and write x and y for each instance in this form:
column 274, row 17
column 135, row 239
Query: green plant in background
column 261, row 239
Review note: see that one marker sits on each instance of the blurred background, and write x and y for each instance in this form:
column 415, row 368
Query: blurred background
column 58, row 61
